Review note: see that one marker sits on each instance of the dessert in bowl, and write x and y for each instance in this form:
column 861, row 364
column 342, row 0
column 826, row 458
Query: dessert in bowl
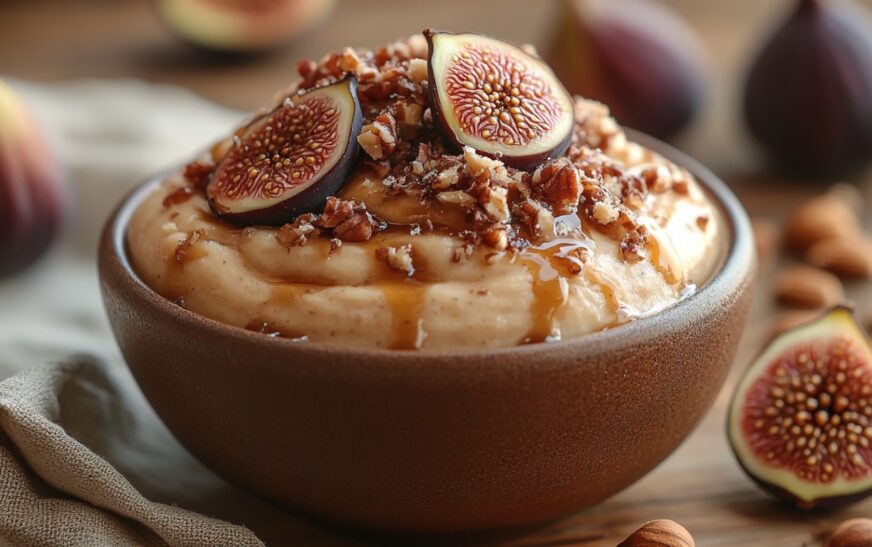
column 429, row 290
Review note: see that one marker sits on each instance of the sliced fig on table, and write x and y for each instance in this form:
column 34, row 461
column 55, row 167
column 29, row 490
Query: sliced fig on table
column 498, row 99
column 800, row 422
column 290, row 160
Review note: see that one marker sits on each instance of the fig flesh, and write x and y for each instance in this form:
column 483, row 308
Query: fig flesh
column 242, row 25
column 636, row 56
column 808, row 98
column 498, row 99
column 289, row 161
column 800, row 422
column 34, row 197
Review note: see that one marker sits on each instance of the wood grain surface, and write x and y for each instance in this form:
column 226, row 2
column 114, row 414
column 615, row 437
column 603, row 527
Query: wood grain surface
column 700, row 485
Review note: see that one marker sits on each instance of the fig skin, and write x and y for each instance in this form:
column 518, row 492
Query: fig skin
column 834, row 325
column 312, row 196
column 242, row 26
column 455, row 138
column 808, row 97
column 636, row 56
column 34, row 196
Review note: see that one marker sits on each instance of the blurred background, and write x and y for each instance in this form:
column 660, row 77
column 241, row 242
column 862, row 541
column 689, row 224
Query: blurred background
column 55, row 40
column 86, row 68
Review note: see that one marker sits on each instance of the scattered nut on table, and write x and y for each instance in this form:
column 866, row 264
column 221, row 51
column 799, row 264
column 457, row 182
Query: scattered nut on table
column 852, row 533
column 659, row 533
column 821, row 218
column 807, row 287
column 844, row 256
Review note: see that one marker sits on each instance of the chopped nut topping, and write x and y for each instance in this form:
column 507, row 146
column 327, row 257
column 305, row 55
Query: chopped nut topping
column 336, row 211
column 296, row 234
column 343, row 220
column 496, row 238
column 605, row 213
column 179, row 195
column 379, row 138
column 398, row 258
column 494, row 201
column 418, row 70
column 183, row 248
column 604, row 179
column 198, row 173
column 457, row 197
column 632, row 247
column 557, row 182
column 476, row 164
column 357, row 228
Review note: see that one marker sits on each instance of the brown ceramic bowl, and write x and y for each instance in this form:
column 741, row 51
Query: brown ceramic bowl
column 434, row 441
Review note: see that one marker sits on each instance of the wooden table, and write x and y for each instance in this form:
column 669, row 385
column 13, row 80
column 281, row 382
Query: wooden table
column 700, row 485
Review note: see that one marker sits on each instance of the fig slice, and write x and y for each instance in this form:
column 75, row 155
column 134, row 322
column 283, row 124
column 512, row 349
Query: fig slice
column 290, row 160
column 498, row 99
column 800, row 422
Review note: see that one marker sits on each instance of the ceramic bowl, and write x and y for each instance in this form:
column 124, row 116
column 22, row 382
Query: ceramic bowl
column 434, row 441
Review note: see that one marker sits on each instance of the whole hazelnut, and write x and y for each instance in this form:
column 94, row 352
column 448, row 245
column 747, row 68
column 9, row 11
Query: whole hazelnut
column 659, row 533
column 852, row 533
column 807, row 287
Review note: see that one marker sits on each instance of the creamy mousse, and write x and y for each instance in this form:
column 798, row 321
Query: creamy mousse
column 427, row 237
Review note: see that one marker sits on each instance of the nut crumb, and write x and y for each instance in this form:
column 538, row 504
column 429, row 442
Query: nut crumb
column 183, row 249
column 398, row 258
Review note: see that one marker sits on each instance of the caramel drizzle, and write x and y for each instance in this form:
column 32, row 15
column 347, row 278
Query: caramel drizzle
column 406, row 303
column 550, row 294
column 551, row 264
column 662, row 261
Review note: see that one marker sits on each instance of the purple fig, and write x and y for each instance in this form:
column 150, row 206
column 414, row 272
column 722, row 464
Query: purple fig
column 290, row 160
column 34, row 197
column 242, row 25
column 635, row 56
column 808, row 98
column 498, row 99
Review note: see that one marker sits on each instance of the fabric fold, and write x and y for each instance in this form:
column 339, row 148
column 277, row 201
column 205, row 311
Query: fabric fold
column 58, row 491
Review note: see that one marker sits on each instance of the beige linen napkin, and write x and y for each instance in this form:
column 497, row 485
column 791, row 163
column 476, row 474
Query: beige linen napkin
column 57, row 491
column 83, row 458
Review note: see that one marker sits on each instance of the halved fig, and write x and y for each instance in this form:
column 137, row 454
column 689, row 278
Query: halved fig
column 498, row 99
column 800, row 422
column 290, row 160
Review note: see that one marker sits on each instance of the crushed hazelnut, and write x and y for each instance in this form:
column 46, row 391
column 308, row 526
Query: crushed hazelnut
column 456, row 197
column 296, row 234
column 418, row 70
column 494, row 201
column 477, row 164
column 398, row 258
column 379, row 138
column 198, row 173
column 605, row 213
column 357, row 228
column 183, row 248
column 632, row 247
column 447, row 178
column 496, row 238
column 557, row 182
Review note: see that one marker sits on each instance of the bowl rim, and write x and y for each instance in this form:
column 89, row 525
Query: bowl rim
column 735, row 269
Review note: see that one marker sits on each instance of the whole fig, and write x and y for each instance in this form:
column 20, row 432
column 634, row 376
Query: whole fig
column 234, row 26
column 34, row 198
column 808, row 98
column 635, row 56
